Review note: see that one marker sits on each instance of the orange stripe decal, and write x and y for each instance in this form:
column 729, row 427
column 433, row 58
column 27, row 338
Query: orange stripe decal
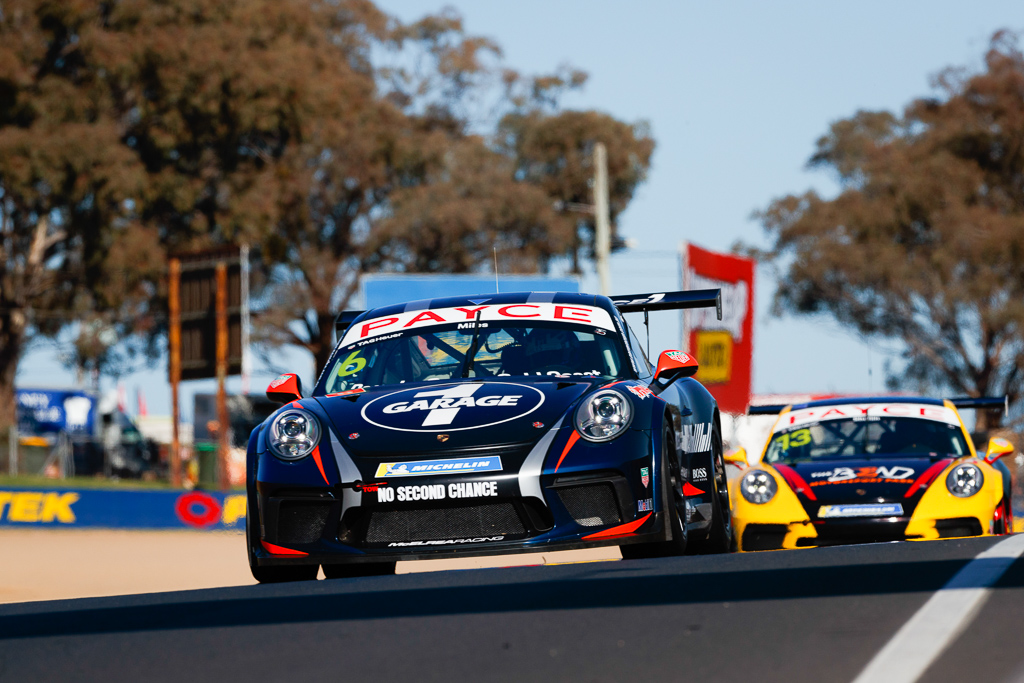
column 691, row 490
column 795, row 481
column 320, row 464
column 929, row 475
column 278, row 550
column 568, row 445
column 621, row 530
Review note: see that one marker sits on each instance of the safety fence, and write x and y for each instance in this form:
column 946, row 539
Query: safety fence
column 121, row 509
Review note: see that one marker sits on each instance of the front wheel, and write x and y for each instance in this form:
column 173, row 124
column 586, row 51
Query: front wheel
column 719, row 538
column 675, row 509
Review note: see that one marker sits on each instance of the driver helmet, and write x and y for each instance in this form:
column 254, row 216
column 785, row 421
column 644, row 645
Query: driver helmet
column 546, row 347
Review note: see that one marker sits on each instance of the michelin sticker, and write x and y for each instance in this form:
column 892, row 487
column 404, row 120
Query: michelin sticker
column 868, row 510
column 453, row 407
column 421, row 468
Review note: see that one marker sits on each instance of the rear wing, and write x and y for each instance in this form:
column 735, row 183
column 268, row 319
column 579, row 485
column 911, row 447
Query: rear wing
column 765, row 410
column 627, row 303
column 344, row 319
column 667, row 301
column 1001, row 403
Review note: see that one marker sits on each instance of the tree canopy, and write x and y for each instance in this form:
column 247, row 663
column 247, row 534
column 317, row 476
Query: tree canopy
column 332, row 138
column 924, row 243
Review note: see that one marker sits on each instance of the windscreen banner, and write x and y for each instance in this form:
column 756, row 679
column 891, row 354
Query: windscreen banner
column 724, row 348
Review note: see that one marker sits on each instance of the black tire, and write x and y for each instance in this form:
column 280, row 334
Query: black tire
column 719, row 539
column 303, row 572
column 348, row 571
column 672, row 494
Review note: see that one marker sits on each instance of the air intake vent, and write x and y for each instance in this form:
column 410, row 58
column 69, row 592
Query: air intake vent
column 592, row 504
column 958, row 527
column 301, row 521
column 393, row 526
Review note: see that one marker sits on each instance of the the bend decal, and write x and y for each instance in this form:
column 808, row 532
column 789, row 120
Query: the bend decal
column 897, row 474
column 452, row 407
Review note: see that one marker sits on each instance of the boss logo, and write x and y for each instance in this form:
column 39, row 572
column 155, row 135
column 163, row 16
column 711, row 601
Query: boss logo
column 700, row 474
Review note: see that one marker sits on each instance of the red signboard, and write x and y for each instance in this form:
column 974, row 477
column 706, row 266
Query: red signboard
column 724, row 348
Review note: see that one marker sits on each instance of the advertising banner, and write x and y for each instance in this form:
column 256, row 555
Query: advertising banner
column 45, row 411
column 116, row 509
column 724, row 348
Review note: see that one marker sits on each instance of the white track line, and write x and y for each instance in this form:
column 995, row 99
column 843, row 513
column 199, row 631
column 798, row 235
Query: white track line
column 937, row 624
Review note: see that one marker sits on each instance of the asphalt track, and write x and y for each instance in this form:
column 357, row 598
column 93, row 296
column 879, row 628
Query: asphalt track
column 813, row 615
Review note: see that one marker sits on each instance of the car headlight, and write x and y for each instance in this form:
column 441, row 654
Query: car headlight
column 603, row 416
column 963, row 481
column 758, row 487
column 294, row 434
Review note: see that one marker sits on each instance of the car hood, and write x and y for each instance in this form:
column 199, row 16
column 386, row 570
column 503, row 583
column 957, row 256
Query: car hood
column 435, row 418
column 857, row 481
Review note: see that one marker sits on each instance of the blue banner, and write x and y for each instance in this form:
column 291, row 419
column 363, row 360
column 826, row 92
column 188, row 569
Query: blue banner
column 43, row 411
column 119, row 509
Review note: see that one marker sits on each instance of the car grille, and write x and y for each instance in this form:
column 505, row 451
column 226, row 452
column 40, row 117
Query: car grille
column 591, row 504
column 438, row 524
column 301, row 521
column 764, row 536
column 958, row 527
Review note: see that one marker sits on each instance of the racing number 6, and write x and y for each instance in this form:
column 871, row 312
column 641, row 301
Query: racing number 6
column 351, row 365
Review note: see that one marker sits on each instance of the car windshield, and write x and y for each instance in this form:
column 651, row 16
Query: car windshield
column 864, row 437
column 493, row 349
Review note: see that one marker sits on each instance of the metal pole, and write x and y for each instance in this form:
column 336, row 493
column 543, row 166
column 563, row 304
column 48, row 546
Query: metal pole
column 174, row 349
column 12, row 451
column 222, row 375
column 684, row 282
column 246, row 323
column 603, row 238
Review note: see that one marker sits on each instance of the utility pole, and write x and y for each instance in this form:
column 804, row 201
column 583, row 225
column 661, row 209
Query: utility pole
column 222, row 375
column 246, row 331
column 603, row 237
column 174, row 344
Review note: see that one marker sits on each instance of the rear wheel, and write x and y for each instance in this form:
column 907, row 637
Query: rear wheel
column 348, row 571
column 271, row 574
column 675, row 509
column 719, row 538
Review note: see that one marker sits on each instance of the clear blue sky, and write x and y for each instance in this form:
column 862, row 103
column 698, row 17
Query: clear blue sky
column 736, row 94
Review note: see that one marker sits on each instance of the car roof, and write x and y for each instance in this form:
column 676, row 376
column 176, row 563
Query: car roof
column 868, row 399
column 568, row 298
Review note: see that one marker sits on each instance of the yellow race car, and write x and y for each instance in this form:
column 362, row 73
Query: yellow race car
column 848, row 470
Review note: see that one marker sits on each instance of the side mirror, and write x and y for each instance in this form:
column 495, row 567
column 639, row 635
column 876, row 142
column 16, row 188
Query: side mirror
column 673, row 365
column 285, row 389
column 737, row 456
column 998, row 447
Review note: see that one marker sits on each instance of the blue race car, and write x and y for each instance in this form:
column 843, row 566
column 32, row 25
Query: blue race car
column 500, row 423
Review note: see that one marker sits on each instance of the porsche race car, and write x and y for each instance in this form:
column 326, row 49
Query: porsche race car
column 847, row 470
column 500, row 423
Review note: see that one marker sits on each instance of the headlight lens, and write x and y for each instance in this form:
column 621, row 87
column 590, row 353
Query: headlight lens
column 294, row 434
column 963, row 481
column 603, row 416
column 758, row 487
